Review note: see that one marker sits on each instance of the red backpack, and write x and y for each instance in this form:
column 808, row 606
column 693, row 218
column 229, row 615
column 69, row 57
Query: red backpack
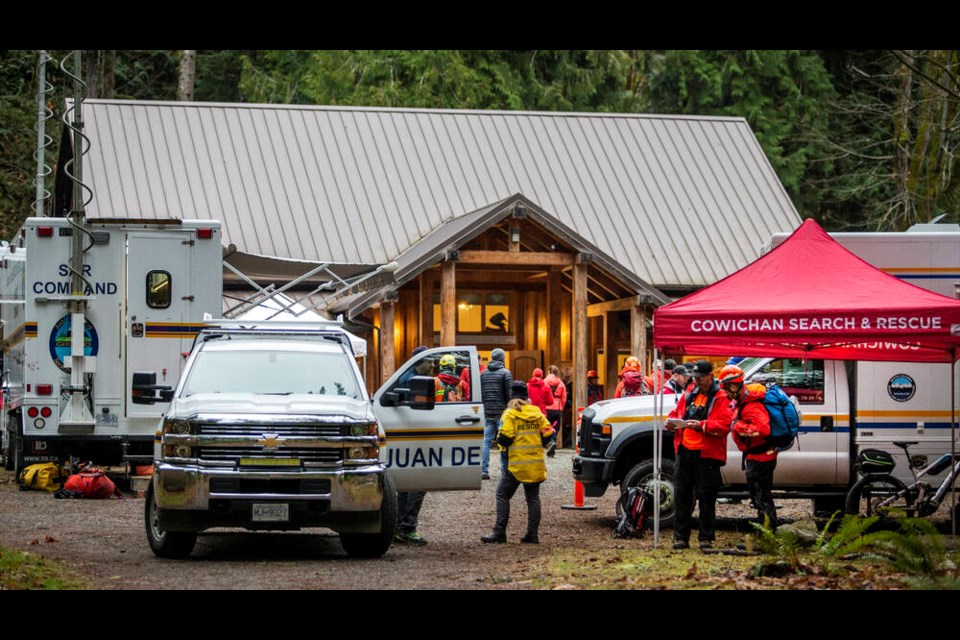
column 92, row 485
column 632, row 384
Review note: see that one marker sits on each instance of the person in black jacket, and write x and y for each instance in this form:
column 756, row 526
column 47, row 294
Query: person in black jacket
column 495, row 384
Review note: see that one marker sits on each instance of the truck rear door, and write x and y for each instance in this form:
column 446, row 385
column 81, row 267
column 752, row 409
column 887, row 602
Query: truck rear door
column 159, row 299
column 439, row 448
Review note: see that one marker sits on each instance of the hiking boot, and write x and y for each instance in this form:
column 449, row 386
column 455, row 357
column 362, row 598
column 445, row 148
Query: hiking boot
column 681, row 544
column 530, row 538
column 485, row 476
column 412, row 537
column 494, row 538
column 706, row 544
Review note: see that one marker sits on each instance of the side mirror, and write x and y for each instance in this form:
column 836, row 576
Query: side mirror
column 144, row 386
column 422, row 393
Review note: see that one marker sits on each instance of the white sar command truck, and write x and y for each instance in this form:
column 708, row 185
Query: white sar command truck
column 845, row 406
column 145, row 289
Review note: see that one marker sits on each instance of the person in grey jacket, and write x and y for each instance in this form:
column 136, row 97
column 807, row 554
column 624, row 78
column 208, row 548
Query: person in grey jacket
column 495, row 384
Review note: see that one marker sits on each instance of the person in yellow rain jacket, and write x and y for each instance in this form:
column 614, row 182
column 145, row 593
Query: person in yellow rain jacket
column 524, row 431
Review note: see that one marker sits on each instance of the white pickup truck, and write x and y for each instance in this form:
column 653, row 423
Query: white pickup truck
column 271, row 428
column 846, row 406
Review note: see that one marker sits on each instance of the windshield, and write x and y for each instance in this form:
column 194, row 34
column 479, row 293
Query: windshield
column 272, row 372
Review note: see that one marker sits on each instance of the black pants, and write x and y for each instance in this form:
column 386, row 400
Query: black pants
column 555, row 418
column 760, row 483
column 696, row 479
column 408, row 510
column 505, row 490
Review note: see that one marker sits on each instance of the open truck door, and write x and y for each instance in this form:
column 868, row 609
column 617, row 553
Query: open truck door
column 432, row 443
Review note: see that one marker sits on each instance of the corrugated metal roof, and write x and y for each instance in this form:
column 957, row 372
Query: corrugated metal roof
column 363, row 185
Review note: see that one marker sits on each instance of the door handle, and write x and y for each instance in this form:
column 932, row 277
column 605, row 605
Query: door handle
column 468, row 419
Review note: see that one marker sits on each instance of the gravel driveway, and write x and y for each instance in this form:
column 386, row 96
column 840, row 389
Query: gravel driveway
column 105, row 541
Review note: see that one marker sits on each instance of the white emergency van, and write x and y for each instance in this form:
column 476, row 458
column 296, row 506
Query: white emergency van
column 145, row 287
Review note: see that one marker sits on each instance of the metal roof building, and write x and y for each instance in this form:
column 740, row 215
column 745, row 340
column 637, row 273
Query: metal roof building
column 365, row 185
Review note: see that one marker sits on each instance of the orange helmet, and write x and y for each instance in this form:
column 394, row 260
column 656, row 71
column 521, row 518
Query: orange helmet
column 592, row 374
column 730, row 374
column 632, row 361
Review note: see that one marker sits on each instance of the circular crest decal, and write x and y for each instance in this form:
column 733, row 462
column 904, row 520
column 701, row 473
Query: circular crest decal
column 60, row 342
column 901, row 387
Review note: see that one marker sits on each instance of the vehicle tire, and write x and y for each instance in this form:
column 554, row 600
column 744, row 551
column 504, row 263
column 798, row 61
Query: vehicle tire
column 374, row 545
column 864, row 497
column 826, row 506
column 642, row 474
column 173, row 545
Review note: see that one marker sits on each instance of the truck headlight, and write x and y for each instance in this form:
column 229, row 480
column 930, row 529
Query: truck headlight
column 178, row 451
column 178, row 427
column 362, row 453
column 369, row 429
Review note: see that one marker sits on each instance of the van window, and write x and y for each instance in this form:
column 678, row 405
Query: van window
column 158, row 289
column 796, row 377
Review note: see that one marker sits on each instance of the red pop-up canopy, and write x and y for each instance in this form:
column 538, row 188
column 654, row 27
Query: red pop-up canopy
column 810, row 297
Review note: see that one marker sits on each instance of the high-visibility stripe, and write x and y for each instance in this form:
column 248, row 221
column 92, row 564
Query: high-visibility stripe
column 173, row 329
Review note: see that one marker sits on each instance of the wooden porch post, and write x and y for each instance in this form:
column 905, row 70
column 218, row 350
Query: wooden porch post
column 580, row 336
column 554, row 294
column 610, row 369
column 387, row 360
column 638, row 334
column 448, row 304
column 426, row 308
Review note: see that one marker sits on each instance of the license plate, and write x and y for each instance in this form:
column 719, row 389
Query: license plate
column 271, row 512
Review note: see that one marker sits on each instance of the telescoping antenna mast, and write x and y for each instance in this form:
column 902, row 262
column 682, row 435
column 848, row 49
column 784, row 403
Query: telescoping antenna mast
column 76, row 412
column 43, row 140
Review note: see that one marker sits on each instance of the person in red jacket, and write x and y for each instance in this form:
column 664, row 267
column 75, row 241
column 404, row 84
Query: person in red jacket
column 540, row 394
column 751, row 434
column 700, row 422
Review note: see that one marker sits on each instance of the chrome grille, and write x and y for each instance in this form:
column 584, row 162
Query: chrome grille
column 305, row 454
column 247, row 430
column 234, row 454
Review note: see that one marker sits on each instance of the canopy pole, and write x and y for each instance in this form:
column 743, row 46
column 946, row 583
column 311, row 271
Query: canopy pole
column 953, row 444
column 657, row 416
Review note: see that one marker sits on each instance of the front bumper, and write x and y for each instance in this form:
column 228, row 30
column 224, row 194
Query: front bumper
column 194, row 498
column 594, row 473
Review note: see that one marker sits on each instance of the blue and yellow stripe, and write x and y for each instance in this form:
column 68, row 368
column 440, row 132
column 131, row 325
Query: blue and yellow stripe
column 24, row 331
column 466, row 433
column 173, row 329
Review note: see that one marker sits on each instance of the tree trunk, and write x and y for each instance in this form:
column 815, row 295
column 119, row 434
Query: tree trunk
column 108, row 80
column 188, row 68
column 91, row 73
column 903, row 144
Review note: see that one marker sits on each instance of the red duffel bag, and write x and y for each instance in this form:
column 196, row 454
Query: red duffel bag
column 91, row 484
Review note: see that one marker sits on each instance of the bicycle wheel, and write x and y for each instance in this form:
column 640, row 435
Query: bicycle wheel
column 879, row 495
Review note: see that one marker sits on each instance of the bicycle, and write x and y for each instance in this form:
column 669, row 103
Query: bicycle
column 878, row 492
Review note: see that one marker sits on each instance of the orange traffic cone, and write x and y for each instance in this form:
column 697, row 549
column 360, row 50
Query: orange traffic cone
column 577, row 485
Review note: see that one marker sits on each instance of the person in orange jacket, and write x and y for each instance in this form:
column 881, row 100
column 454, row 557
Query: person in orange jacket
column 700, row 422
column 594, row 390
column 632, row 382
column 751, row 434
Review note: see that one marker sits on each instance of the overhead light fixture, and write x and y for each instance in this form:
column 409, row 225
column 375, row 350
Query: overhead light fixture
column 515, row 235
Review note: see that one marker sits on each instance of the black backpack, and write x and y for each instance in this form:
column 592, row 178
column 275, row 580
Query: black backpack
column 633, row 507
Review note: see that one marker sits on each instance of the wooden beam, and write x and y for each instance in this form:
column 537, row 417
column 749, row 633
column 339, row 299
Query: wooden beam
column 448, row 304
column 507, row 258
column 610, row 369
column 387, row 347
column 580, row 336
column 623, row 304
column 426, row 308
